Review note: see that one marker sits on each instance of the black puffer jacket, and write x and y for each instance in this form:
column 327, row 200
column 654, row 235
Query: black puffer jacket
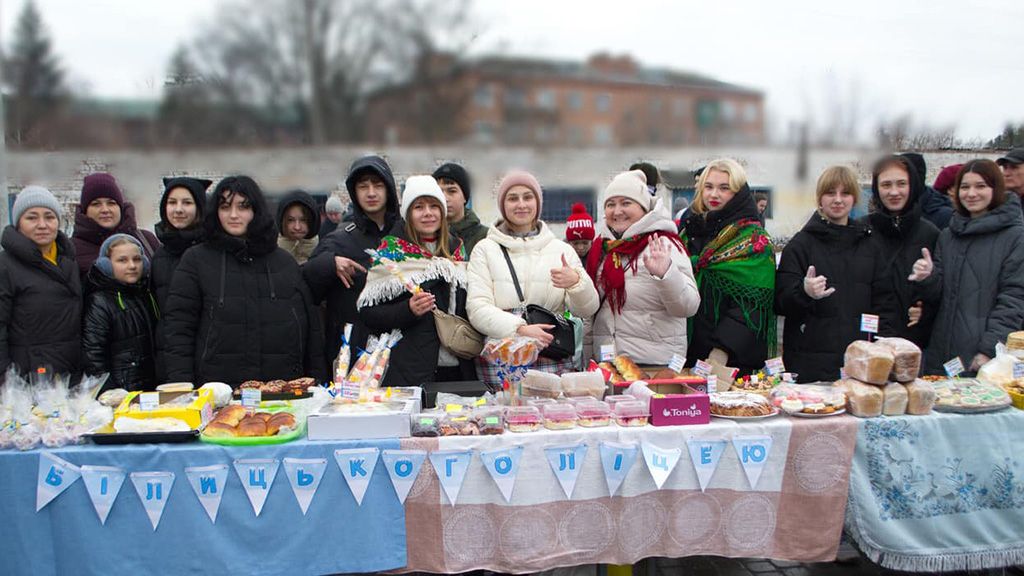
column 897, row 241
column 978, row 284
column 118, row 332
column 175, row 242
column 725, row 326
column 40, row 306
column 88, row 236
column 350, row 241
column 414, row 360
column 238, row 308
column 818, row 331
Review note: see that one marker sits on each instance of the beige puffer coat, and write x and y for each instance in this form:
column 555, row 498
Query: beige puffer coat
column 652, row 324
column 492, row 292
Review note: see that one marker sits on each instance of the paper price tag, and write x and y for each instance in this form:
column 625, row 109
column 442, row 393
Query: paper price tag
column 251, row 397
column 453, row 408
column 702, row 368
column 869, row 323
column 1018, row 369
column 954, row 367
column 676, row 363
column 149, row 401
column 712, row 383
column 774, row 366
column 607, row 353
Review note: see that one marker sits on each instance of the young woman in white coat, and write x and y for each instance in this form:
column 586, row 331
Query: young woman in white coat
column 642, row 274
column 550, row 273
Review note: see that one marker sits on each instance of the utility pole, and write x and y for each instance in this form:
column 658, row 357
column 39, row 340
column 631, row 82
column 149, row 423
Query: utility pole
column 4, row 201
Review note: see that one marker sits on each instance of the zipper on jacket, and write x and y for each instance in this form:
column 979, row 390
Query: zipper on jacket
column 302, row 338
column 270, row 281
column 223, row 275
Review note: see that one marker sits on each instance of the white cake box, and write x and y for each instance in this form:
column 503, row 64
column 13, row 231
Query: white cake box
column 330, row 424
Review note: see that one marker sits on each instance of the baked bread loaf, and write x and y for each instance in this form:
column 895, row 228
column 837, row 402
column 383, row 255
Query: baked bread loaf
column 615, row 377
column 862, row 400
column 906, row 358
column 282, row 420
column 667, row 374
column 869, row 362
column 894, row 402
column 1015, row 341
column 543, row 384
column 920, row 397
column 263, row 415
column 231, row 415
column 628, row 369
column 249, row 427
column 220, row 430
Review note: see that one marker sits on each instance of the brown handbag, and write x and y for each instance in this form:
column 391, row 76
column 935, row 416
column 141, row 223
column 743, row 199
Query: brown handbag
column 458, row 335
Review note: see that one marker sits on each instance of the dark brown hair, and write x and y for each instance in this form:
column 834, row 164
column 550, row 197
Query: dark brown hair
column 990, row 173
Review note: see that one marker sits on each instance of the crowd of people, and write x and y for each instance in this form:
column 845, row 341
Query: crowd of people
column 226, row 289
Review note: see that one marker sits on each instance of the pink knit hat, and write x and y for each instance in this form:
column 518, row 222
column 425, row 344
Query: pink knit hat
column 519, row 178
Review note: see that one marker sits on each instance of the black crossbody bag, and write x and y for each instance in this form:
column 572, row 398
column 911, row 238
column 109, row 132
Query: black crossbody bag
column 564, row 344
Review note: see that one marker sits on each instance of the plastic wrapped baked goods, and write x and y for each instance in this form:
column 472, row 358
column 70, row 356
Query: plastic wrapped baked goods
column 920, row 397
column 631, row 414
column 593, row 414
column 894, row 399
column 615, row 399
column 1015, row 343
column 739, row 404
column 906, row 358
column 426, row 425
column 613, row 375
column 968, row 395
column 113, row 398
column 543, row 384
column 808, row 399
column 559, row 416
column 489, row 420
column 628, row 369
column 869, row 362
column 577, row 384
column 221, row 393
column 862, row 400
column 523, row 419
column 150, row 425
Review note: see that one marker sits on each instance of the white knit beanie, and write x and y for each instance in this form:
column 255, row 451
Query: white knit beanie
column 34, row 197
column 418, row 187
column 632, row 185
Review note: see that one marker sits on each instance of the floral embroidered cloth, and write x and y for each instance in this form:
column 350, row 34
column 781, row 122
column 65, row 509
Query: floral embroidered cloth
column 940, row 492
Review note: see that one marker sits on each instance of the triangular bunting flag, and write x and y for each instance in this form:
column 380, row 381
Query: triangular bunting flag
column 753, row 453
column 617, row 459
column 257, row 476
column 451, row 467
column 154, row 489
column 403, row 468
column 566, row 462
column 208, row 483
column 55, row 475
column 705, row 454
column 304, row 474
column 357, row 466
column 503, row 466
column 103, row 484
column 660, row 462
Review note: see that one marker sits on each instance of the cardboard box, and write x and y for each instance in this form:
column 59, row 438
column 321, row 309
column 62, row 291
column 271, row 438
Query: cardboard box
column 196, row 414
column 326, row 425
column 673, row 386
column 686, row 409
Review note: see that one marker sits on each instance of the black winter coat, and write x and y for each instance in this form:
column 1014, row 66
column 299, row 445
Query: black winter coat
column 40, row 306
column 978, row 284
column 88, row 236
column 351, row 241
column 817, row 332
column 119, row 332
column 239, row 310
column 936, row 207
column 726, row 327
column 414, row 360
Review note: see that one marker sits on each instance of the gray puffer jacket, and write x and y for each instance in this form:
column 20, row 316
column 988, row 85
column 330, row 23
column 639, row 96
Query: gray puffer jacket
column 978, row 283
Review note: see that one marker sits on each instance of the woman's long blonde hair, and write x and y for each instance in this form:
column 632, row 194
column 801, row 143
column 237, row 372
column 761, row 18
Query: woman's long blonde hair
column 737, row 178
column 443, row 249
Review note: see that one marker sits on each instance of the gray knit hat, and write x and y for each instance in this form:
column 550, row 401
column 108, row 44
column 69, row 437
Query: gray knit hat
column 34, row 197
column 333, row 204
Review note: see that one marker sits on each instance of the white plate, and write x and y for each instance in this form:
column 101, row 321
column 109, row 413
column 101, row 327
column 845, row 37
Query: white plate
column 806, row 415
column 775, row 413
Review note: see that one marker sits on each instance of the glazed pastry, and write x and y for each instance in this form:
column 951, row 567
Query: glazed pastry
column 628, row 369
column 739, row 404
column 283, row 420
column 231, row 415
column 250, row 427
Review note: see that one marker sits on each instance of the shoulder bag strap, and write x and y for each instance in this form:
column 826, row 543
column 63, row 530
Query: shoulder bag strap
column 512, row 269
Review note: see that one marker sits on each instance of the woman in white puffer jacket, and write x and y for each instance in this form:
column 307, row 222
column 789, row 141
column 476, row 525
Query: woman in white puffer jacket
column 549, row 271
column 642, row 274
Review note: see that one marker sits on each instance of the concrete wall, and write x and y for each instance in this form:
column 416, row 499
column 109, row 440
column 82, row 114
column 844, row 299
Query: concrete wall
column 324, row 169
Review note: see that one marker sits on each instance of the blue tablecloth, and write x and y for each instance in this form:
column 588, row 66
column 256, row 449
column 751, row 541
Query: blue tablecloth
column 66, row 536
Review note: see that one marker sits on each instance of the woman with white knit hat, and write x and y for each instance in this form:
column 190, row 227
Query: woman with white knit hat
column 40, row 289
column 431, row 257
column 642, row 274
column 548, row 271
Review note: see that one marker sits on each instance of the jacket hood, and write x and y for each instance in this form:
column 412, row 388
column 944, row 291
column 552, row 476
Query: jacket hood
column 514, row 244
column 916, row 184
column 98, row 279
column 819, row 227
column 195, row 186
column 659, row 218
column 378, row 166
column 88, row 230
column 306, row 201
column 1006, row 216
column 261, row 238
column 22, row 248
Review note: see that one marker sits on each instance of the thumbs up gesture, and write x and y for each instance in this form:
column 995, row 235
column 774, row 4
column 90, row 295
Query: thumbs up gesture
column 657, row 259
column 564, row 277
column 815, row 286
column 923, row 267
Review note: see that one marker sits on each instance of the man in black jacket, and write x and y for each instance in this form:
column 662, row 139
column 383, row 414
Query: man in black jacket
column 936, row 207
column 337, row 269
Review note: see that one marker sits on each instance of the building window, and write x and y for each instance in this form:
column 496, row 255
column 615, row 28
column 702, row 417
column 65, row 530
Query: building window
column 484, row 96
column 728, row 112
column 515, row 98
column 558, row 202
column 602, row 134
column 574, row 100
column 483, row 132
column 750, row 112
column 576, row 136
column 603, row 102
column 545, row 133
column 547, row 99
column 768, row 191
column 679, row 107
column 707, row 113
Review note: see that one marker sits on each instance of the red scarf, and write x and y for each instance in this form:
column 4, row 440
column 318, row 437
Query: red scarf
column 613, row 274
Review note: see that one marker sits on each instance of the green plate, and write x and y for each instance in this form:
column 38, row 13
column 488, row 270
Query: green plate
column 260, row 440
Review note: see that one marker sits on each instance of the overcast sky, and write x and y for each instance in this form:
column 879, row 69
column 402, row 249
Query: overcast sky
column 946, row 62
